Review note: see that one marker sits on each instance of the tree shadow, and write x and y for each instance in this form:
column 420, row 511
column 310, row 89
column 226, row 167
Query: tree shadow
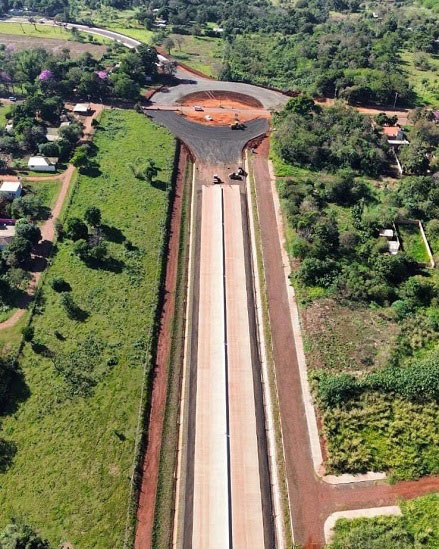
column 78, row 314
column 41, row 349
column 108, row 264
column 17, row 393
column 91, row 171
column 8, row 449
column 157, row 184
column 113, row 234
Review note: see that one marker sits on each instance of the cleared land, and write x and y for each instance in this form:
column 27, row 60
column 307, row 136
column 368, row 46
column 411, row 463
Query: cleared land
column 56, row 46
column 202, row 53
column 75, row 451
column 45, row 31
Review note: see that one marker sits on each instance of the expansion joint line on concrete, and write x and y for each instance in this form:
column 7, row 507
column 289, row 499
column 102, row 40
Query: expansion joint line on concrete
column 226, row 375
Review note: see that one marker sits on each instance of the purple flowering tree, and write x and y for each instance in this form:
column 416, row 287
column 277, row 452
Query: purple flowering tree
column 45, row 75
column 103, row 75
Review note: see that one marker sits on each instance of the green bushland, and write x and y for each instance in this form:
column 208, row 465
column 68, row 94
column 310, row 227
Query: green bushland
column 163, row 516
column 75, row 430
column 417, row 527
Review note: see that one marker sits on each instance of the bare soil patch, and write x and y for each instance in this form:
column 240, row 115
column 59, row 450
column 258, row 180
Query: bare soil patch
column 224, row 99
column 51, row 44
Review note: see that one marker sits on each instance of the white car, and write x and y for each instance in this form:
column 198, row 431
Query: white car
column 198, row 108
column 208, row 118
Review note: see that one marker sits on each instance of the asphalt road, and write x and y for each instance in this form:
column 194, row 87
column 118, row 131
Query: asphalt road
column 211, row 145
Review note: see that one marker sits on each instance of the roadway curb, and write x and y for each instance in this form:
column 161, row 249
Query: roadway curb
column 311, row 419
column 390, row 511
column 267, row 397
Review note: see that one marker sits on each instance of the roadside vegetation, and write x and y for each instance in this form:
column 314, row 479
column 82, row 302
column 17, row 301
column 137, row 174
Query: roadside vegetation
column 69, row 425
column 47, row 31
column 370, row 318
column 417, row 527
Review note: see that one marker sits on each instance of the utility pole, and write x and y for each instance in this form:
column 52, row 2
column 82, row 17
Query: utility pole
column 396, row 97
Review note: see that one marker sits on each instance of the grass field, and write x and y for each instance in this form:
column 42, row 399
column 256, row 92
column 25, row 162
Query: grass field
column 45, row 190
column 201, row 53
column 70, row 476
column 425, row 82
column 4, row 109
column 412, row 242
column 417, row 527
column 46, row 31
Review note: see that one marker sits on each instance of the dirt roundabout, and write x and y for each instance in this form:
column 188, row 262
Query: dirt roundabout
column 221, row 108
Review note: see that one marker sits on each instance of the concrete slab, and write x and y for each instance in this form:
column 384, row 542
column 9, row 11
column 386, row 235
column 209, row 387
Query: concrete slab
column 211, row 498
column 247, row 517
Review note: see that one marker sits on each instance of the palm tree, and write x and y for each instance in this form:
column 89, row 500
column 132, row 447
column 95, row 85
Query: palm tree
column 151, row 170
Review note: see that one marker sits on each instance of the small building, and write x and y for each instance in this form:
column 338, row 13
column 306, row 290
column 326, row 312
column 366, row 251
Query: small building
column 41, row 164
column 82, row 108
column 7, row 232
column 9, row 126
column 11, row 189
column 395, row 135
column 52, row 134
column 386, row 233
column 393, row 241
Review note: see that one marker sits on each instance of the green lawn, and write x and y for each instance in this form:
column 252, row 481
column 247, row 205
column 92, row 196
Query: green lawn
column 417, row 527
column 46, row 190
column 45, row 31
column 412, row 242
column 201, row 53
column 70, row 476
column 4, row 109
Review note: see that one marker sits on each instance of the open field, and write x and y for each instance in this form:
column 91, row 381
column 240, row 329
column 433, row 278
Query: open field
column 4, row 109
column 75, row 431
column 55, row 45
column 412, row 242
column 425, row 82
column 46, row 190
column 201, row 53
column 418, row 526
column 46, row 31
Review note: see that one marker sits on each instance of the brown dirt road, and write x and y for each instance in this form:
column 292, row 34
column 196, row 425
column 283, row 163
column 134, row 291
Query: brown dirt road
column 312, row 500
column 150, row 467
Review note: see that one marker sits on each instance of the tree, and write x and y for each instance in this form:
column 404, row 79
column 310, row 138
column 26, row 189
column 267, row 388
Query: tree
column 168, row 44
column 99, row 252
column 81, row 158
column 124, row 87
column 76, row 229
column 28, row 333
column 19, row 535
column 17, row 252
column 81, row 249
column 151, row 170
column 414, row 158
column 29, row 232
column 93, row 216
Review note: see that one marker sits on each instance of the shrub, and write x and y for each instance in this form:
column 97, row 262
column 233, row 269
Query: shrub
column 76, row 229
column 93, row 216
column 403, row 308
column 334, row 390
column 28, row 333
column 29, row 232
column 81, row 249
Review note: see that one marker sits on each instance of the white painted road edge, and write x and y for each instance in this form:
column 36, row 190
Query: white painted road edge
column 391, row 510
column 313, row 432
column 267, row 397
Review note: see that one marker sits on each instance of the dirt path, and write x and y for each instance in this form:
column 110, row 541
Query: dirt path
column 150, row 467
column 312, row 500
column 43, row 249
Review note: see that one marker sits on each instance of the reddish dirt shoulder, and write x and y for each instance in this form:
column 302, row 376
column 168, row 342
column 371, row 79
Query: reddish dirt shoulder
column 150, row 467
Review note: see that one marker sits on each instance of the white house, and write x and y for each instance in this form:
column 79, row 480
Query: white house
column 11, row 189
column 82, row 109
column 41, row 164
